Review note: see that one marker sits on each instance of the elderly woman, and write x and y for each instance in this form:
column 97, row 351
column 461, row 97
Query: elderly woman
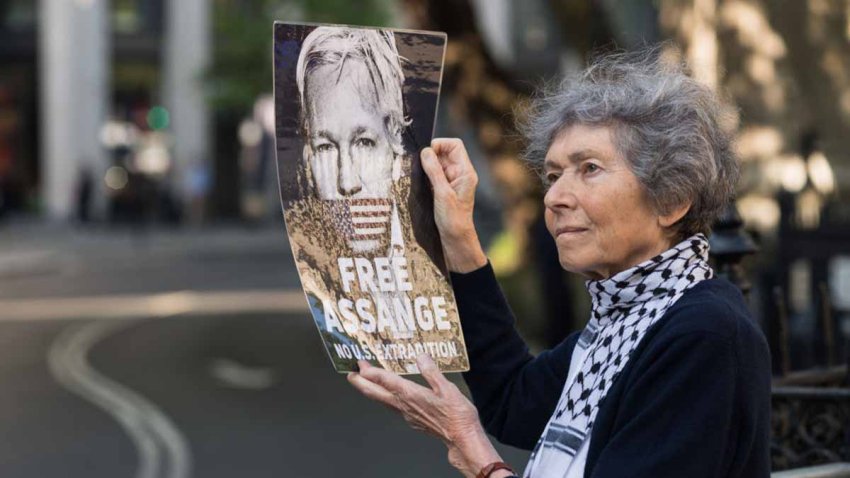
column 670, row 377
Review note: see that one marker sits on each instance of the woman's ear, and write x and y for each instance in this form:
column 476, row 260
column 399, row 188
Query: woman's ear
column 675, row 214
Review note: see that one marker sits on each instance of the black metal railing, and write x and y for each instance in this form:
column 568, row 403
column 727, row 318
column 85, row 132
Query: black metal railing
column 810, row 417
column 810, row 425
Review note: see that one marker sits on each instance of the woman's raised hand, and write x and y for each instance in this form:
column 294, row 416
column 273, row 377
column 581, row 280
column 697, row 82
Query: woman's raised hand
column 453, row 180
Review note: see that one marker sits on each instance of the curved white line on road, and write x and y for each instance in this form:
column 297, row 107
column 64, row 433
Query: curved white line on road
column 163, row 451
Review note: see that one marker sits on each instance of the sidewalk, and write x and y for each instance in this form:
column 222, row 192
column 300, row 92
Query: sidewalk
column 34, row 235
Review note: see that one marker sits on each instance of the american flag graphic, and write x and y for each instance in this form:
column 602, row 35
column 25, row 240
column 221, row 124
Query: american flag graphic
column 364, row 222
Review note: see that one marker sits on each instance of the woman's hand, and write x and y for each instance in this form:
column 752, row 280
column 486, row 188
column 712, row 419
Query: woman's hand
column 454, row 179
column 441, row 410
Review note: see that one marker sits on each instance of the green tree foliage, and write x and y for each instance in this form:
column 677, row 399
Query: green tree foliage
column 241, row 67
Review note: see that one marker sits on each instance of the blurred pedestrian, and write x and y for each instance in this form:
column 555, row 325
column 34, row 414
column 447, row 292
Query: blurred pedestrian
column 198, row 183
column 85, row 191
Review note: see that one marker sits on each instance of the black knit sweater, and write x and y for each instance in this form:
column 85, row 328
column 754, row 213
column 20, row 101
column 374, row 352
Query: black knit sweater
column 693, row 400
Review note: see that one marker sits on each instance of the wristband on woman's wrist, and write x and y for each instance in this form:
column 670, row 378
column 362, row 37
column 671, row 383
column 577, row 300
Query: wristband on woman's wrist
column 496, row 465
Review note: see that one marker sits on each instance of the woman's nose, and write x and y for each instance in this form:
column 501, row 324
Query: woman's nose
column 560, row 195
column 348, row 180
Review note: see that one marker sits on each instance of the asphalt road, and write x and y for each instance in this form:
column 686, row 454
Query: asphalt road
column 171, row 356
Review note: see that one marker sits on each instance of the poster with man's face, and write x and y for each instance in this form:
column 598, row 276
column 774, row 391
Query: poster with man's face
column 354, row 107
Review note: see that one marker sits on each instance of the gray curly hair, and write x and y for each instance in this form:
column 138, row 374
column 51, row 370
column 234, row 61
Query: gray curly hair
column 666, row 124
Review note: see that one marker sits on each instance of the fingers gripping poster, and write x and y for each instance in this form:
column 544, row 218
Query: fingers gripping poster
column 354, row 107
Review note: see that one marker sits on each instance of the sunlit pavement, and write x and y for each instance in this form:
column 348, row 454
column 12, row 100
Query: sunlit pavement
column 180, row 353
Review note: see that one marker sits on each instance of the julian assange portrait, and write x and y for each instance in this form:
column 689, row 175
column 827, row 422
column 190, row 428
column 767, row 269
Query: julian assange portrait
column 352, row 115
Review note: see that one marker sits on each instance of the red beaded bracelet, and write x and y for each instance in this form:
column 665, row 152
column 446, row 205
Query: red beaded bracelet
column 496, row 465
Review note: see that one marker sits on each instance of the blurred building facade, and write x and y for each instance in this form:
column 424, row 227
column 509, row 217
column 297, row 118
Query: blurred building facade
column 19, row 146
column 93, row 94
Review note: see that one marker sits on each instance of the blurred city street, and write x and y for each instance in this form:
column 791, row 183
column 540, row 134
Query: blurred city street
column 178, row 353
column 152, row 321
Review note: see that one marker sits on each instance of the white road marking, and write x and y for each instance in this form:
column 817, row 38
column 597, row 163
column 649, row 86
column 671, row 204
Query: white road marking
column 153, row 305
column 231, row 373
column 162, row 450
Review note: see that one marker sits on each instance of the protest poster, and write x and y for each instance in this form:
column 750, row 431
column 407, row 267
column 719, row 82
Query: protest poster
column 353, row 109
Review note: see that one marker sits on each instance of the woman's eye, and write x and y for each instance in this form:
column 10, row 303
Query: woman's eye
column 550, row 178
column 590, row 168
column 365, row 143
column 324, row 148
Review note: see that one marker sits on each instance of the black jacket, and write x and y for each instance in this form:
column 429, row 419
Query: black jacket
column 693, row 401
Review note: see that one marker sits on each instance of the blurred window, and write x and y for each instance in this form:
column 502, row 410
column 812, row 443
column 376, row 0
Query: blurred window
column 16, row 15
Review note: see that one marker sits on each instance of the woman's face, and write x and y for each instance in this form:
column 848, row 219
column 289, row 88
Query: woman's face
column 595, row 209
column 351, row 156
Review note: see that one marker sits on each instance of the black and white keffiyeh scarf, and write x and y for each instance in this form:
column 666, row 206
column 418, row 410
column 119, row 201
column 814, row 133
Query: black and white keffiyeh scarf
column 624, row 306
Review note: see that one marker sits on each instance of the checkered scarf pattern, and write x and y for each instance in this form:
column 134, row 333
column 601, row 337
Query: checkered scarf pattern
column 624, row 307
